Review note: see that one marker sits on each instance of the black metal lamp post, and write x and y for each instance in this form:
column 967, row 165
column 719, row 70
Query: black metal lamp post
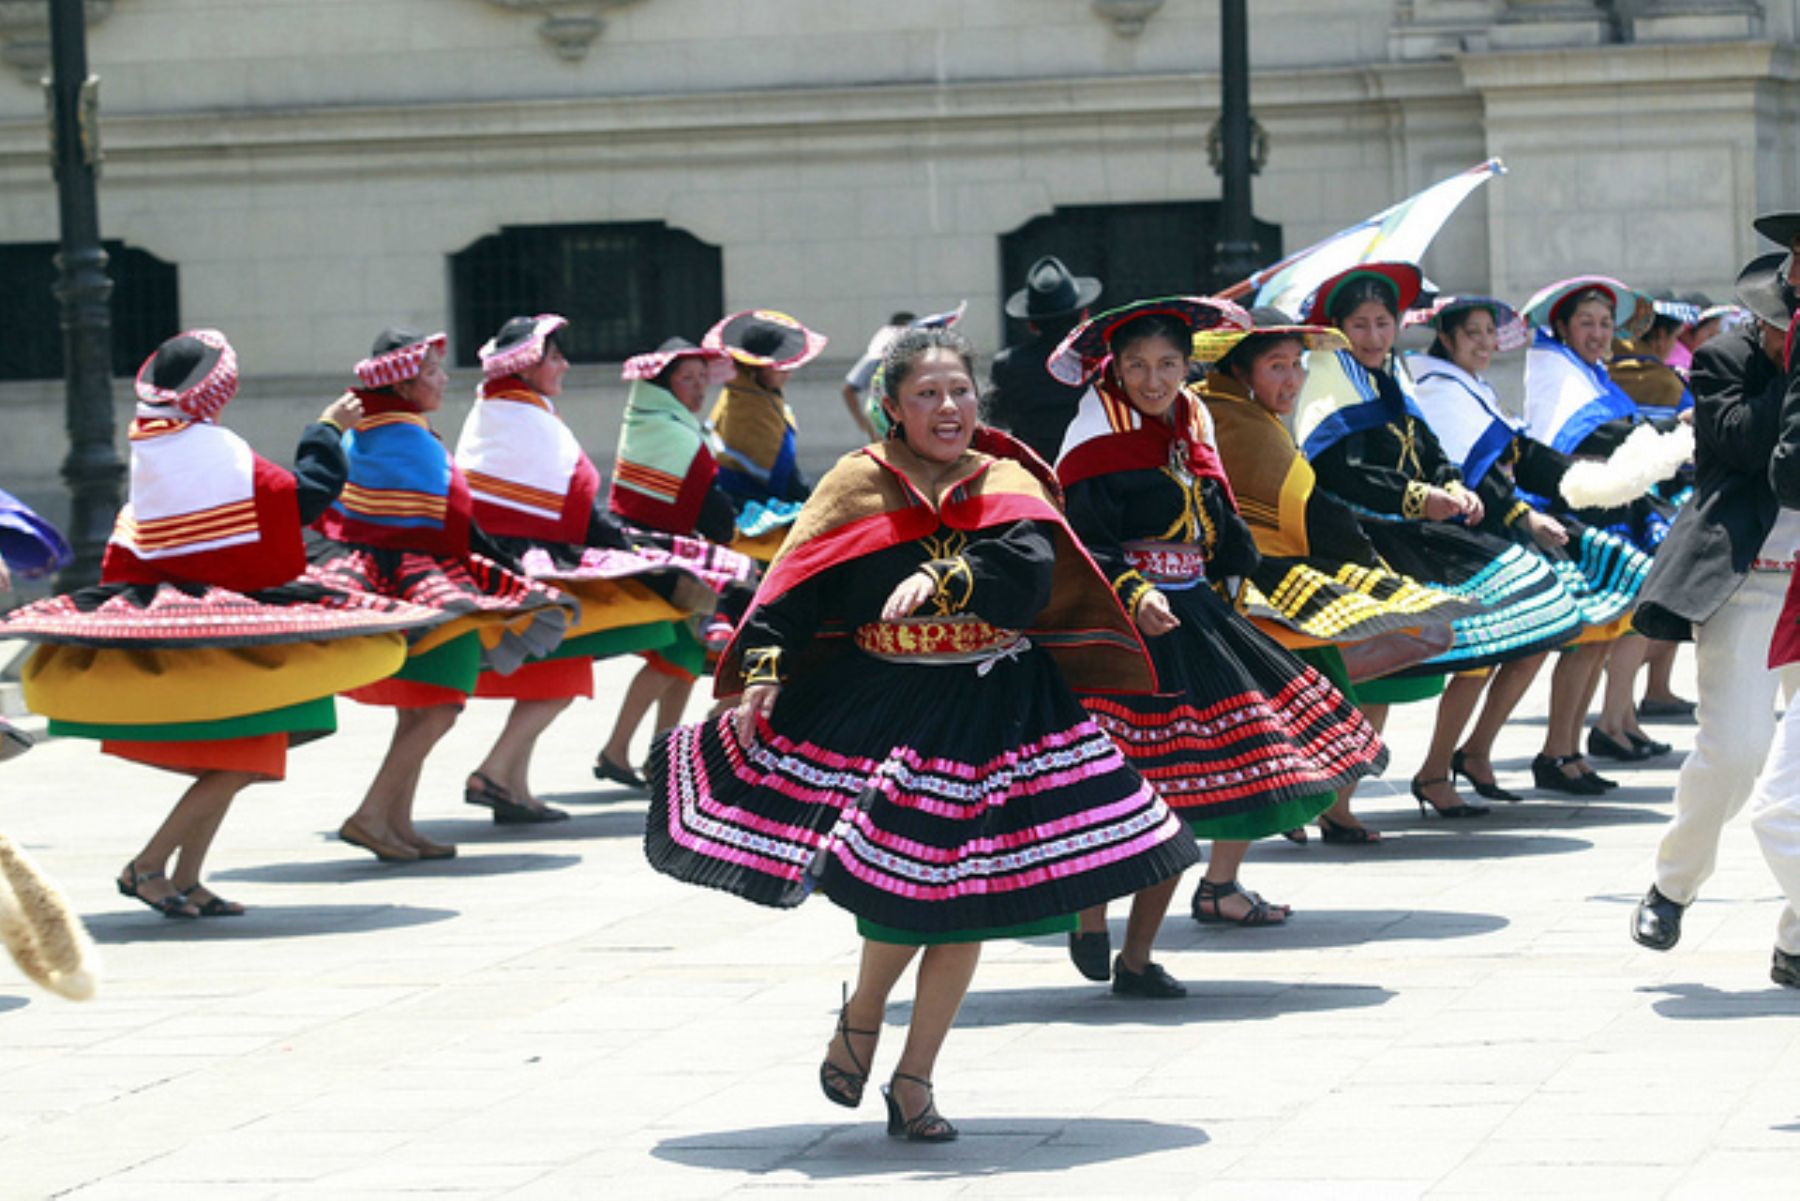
column 1237, row 253
column 93, row 469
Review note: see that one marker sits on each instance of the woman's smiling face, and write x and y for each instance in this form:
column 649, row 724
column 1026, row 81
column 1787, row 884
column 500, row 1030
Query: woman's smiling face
column 1152, row 371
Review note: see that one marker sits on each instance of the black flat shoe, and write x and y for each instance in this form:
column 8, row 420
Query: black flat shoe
column 175, row 905
column 511, row 813
column 1648, row 748
column 1332, row 831
column 1785, row 970
column 618, row 773
column 1091, row 954
column 1602, row 745
column 1153, row 983
column 1670, row 710
column 1453, row 812
column 1656, row 922
column 1487, row 790
column 1548, row 775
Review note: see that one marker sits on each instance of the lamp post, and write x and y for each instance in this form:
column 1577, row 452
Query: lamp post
column 92, row 470
column 1237, row 254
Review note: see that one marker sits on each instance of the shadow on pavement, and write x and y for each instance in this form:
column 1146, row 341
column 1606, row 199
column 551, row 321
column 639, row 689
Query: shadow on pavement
column 261, row 922
column 988, row 1147
column 11, row 1002
column 602, row 794
column 1207, row 1001
column 366, row 867
column 1703, row 1003
column 1429, row 838
column 1315, row 928
column 627, row 823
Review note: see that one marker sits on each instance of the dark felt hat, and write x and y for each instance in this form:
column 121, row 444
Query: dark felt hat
column 1764, row 290
column 1781, row 228
column 195, row 373
column 1050, row 291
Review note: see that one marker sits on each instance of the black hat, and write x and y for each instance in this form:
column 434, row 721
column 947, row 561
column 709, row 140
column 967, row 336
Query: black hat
column 1765, row 291
column 1050, row 291
column 1779, row 227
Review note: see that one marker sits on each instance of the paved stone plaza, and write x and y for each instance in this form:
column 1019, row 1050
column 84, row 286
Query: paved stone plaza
column 1455, row 1014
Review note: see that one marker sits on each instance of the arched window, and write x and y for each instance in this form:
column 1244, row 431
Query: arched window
column 146, row 309
column 1136, row 250
column 623, row 287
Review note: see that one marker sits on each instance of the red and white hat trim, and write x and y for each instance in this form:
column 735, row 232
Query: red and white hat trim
column 648, row 366
column 205, row 399
column 496, row 362
column 398, row 366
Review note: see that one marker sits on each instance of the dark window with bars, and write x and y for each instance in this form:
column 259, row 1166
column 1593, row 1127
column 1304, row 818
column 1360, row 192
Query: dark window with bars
column 146, row 309
column 623, row 287
column 1136, row 250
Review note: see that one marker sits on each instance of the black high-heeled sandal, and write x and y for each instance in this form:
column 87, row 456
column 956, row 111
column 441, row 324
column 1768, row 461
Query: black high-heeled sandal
column 1335, row 831
column 1458, row 810
column 174, row 905
column 839, row 1086
column 926, row 1126
column 1487, row 790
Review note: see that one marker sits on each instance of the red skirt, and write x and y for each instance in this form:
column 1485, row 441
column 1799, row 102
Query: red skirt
column 543, row 680
column 263, row 755
column 1784, row 647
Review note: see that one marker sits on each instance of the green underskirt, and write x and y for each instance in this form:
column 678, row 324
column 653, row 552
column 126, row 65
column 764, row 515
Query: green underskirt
column 625, row 640
column 912, row 938
column 312, row 717
column 1248, row 827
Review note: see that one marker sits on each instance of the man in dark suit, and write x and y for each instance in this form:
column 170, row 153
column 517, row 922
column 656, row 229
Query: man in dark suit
column 1720, row 579
column 1023, row 398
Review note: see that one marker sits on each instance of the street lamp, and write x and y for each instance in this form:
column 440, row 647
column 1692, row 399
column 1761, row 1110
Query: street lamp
column 92, row 470
column 1237, row 254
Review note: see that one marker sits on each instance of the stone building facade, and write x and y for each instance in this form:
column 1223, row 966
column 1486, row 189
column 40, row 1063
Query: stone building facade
column 313, row 170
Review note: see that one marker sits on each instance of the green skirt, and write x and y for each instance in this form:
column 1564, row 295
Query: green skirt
column 912, row 938
column 623, row 640
column 316, row 717
column 1248, row 827
column 1386, row 691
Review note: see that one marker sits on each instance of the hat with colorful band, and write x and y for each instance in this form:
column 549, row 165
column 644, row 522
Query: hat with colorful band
column 1211, row 346
column 1514, row 334
column 1087, row 348
column 195, row 373
column 519, row 346
column 765, row 338
column 653, row 364
column 397, row 356
column 1543, row 308
column 1403, row 279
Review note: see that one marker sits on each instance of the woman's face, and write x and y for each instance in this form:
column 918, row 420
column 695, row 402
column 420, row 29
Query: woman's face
column 1473, row 343
column 1587, row 329
column 546, row 376
column 1277, row 375
column 688, row 382
column 425, row 391
column 1371, row 330
column 1152, row 372
column 936, row 406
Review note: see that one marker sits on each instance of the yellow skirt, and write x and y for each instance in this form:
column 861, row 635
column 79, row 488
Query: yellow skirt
column 111, row 687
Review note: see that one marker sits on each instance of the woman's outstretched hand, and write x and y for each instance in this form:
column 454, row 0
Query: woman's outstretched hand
column 758, row 701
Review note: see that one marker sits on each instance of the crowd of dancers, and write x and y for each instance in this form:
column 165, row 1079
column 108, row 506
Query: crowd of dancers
column 1020, row 655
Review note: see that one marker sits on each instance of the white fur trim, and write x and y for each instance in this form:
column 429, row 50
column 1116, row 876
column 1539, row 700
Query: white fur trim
column 1645, row 459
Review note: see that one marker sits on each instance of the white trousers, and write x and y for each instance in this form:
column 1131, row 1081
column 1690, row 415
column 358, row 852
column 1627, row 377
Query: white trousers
column 1736, row 718
column 1775, row 816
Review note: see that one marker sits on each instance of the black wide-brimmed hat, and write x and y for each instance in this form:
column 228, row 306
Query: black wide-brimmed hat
column 519, row 346
column 1765, row 291
column 1050, row 291
column 195, row 372
column 1779, row 227
column 397, row 356
column 655, row 362
column 765, row 338
column 1087, row 348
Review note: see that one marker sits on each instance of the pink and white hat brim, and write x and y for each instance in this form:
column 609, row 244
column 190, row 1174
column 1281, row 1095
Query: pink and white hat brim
column 206, row 399
column 398, row 366
column 648, row 366
column 526, row 355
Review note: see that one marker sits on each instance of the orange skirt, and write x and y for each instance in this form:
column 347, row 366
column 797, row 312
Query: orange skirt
column 262, row 755
column 406, row 694
column 544, row 680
